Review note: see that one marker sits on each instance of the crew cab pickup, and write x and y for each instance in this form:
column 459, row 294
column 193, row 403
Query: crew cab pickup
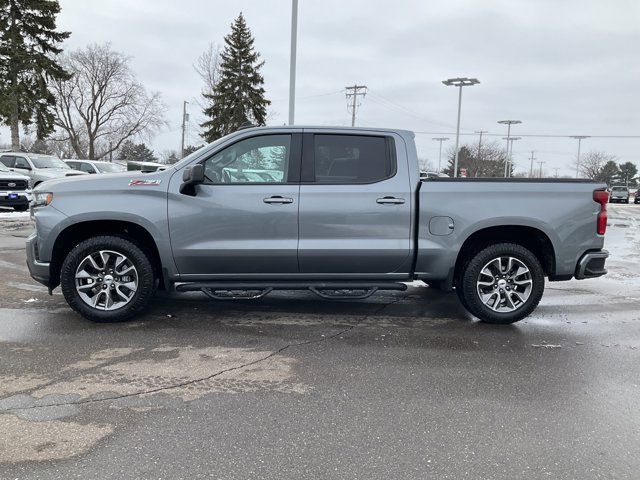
column 339, row 211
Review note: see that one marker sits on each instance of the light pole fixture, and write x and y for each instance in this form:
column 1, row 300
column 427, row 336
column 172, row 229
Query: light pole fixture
column 440, row 139
column 508, row 123
column 459, row 82
column 292, row 61
column 509, row 161
column 579, row 138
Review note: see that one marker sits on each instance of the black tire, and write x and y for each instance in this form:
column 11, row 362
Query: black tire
column 468, row 289
column 21, row 208
column 146, row 280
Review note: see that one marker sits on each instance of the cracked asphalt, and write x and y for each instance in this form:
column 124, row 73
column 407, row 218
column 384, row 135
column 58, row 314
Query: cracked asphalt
column 400, row 385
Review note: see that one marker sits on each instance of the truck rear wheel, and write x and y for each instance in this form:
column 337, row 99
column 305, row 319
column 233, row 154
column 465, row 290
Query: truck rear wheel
column 107, row 279
column 502, row 283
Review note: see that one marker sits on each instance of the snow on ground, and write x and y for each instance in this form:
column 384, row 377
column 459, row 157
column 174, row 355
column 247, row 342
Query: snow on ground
column 10, row 214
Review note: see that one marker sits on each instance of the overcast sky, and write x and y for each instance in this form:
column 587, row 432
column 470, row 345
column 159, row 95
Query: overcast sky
column 563, row 67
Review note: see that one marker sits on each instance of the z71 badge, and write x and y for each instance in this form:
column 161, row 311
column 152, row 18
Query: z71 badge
column 144, row 183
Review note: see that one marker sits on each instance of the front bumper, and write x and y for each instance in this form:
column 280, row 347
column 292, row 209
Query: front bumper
column 591, row 264
column 21, row 199
column 39, row 271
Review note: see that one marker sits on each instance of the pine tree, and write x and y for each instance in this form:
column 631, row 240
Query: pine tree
column 238, row 97
column 28, row 43
column 139, row 152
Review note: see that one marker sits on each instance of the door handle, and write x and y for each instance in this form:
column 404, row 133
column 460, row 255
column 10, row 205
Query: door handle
column 390, row 201
column 277, row 200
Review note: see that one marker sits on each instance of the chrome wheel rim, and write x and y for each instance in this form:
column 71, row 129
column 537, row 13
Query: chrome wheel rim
column 504, row 284
column 106, row 280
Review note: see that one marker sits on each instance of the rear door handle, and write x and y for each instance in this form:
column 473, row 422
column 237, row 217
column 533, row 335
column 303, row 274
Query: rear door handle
column 390, row 201
column 277, row 200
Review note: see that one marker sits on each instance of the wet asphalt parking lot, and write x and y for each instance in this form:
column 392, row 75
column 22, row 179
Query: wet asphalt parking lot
column 400, row 385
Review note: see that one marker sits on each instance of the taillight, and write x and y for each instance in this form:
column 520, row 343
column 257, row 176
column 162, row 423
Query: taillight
column 602, row 197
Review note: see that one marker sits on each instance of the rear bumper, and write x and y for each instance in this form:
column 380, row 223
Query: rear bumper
column 39, row 271
column 591, row 264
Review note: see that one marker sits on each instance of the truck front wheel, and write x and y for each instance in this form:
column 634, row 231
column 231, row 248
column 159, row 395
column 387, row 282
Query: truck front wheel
column 502, row 283
column 107, row 279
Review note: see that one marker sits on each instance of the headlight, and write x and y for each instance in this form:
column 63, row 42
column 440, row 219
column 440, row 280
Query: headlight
column 41, row 199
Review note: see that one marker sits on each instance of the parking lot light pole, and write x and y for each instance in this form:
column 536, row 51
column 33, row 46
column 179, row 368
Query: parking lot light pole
column 440, row 139
column 292, row 61
column 508, row 123
column 579, row 138
column 459, row 82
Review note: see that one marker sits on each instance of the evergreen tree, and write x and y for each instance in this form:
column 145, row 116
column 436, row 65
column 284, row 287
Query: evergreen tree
column 488, row 162
column 28, row 43
column 139, row 152
column 238, row 97
column 609, row 173
column 628, row 171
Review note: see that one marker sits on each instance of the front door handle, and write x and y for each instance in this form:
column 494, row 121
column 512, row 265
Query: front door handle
column 277, row 200
column 390, row 201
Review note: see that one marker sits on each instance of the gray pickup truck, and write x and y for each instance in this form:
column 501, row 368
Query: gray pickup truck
column 338, row 211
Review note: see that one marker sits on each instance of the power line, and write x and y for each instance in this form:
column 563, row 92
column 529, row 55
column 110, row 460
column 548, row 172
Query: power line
column 353, row 93
column 535, row 135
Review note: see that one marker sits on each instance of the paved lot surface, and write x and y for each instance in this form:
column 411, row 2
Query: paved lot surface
column 291, row 386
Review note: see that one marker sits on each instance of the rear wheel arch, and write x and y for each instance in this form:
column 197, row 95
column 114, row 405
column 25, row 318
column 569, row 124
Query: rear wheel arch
column 76, row 233
column 531, row 238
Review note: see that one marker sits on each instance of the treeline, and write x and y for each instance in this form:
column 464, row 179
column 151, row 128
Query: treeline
column 88, row 103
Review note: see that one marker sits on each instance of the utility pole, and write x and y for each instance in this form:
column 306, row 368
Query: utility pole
column 579, row 138
column 459, row 82
column 292, row 61
column 480, row 140
column 540, row 162
column 185, row 119
column 508, row 123
column 353, row 93
column 440, row 139
column 556, row 169
column 509, row 162
column 531, row 169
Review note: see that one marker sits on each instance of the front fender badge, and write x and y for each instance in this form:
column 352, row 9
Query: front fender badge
column 144, row 183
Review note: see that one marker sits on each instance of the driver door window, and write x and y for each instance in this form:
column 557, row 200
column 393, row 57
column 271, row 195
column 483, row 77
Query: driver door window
column 256, row 160
column 21, row 162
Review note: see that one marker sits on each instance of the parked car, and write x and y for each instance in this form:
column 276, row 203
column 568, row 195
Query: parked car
column 95, row 166
column 426, row 175
column 15, row 189
column 619, row 194
column 347, row 215
column 145, row 167
column 38, row 168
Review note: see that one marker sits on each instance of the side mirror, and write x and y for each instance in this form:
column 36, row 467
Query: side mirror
column 191, row 177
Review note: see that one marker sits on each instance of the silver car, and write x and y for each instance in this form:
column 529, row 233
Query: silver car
column 38, row 168
column 95, row 166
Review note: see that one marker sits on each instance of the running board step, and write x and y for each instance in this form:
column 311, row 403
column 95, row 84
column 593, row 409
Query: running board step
column 242, row 290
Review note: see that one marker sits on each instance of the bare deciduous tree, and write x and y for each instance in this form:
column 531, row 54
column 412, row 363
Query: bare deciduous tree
column 591, row 163
column 207, row 66
column 103, row 104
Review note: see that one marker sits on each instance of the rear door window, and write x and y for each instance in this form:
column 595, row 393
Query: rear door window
column 352, row 159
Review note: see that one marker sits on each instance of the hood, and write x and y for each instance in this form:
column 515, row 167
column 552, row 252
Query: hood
column 13, row 176
column 59, row 172
column 113, row 181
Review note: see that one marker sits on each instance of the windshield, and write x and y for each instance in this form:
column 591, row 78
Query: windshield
column 110, row 167
column 48, row 161
column 620, row 189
